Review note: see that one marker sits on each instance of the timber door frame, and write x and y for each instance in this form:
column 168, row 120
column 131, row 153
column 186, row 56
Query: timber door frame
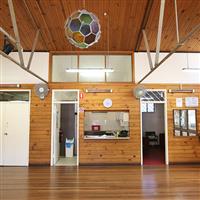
column 52, row 118
column 166, row 125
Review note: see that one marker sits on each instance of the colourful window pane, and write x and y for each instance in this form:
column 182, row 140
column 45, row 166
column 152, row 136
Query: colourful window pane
column 90, row 39
column 85, row 29
column 75, row 25
column 95, row 27
column 78, row 37
column 86, row 18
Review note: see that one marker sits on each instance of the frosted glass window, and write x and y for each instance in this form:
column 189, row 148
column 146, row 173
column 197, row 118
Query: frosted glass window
column 91, row 61
column 14, row 96
column 59, row 65
column 148, row 107
column 122, row 65
column 65, row 96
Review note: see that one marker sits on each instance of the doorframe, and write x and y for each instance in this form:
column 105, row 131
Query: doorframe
column 52, row 118
column 166, row 125
column 29, row 102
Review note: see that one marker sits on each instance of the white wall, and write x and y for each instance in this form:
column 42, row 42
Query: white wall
column 170, row 71
column 12, row 73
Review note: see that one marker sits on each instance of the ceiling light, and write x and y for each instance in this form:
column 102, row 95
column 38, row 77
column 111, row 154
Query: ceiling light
column 181, row 91
column 95, row 70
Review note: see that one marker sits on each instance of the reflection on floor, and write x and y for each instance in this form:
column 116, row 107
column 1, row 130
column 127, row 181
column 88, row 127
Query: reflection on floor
column 153, row 155
column 63, row 161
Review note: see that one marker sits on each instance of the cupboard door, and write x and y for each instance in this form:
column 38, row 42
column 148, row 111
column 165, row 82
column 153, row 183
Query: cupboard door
column 16, row 117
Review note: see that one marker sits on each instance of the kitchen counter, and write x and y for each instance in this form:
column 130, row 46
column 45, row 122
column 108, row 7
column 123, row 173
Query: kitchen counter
column 105, row 135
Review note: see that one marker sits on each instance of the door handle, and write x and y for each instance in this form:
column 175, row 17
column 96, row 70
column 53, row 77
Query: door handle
column 6, row 134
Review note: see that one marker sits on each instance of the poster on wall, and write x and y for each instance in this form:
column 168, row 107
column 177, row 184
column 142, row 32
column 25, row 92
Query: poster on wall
column 191, row 101
column 179, row 102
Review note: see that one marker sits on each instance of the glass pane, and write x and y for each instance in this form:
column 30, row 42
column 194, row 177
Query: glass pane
column 65, row 96
column 122, row 65
column 184, row 119
column 103, row 124
column 14, row 96
column 59, row 64
column 191, row 119
column 91, row 62
column 144, row 107
column 184, row 133
column 176, row 118
column 151, row 107
column 177, row 133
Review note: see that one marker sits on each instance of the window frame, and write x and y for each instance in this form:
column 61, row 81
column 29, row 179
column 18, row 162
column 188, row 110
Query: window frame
column 103, row 53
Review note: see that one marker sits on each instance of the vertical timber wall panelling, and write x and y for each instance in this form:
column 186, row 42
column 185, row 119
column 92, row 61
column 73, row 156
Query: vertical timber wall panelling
column 112, row 151
column 40, row 130
column 182, row 149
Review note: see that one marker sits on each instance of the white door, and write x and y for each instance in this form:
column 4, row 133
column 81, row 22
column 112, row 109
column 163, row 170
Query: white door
column 15, row 133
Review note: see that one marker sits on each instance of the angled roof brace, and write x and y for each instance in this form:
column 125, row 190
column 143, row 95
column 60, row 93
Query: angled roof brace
column 180, row 42
column 16, row 42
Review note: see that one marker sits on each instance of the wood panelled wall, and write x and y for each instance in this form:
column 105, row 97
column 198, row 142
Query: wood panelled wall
column 181, row 149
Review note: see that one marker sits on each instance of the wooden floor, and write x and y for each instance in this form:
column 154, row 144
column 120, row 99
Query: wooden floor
column 92, row 183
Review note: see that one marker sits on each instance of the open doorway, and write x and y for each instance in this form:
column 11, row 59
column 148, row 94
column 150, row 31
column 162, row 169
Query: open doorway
column 65, row 128
column 154, row 128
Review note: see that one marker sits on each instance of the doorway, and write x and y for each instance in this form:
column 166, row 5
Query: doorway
column 154, row 128
column 65, row 121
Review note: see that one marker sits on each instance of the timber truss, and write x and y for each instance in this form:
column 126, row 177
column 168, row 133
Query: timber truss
column 180, row 42
column 16, row 42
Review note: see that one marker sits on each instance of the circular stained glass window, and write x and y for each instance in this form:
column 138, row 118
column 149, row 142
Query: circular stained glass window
column 82, row 29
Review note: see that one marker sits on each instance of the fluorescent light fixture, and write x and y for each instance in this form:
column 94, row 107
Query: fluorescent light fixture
column 181, row 90
column 10, row 85
column 96, row 90
column 85, row 70
column 191, row 69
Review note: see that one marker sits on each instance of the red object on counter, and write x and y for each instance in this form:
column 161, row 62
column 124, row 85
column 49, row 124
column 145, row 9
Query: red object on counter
column 96, row 127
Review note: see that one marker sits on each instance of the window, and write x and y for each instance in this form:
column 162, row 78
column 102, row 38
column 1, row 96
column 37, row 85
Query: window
column 59, row 65
column 104, row 124
column 148, row 107
column 14, row 96
column 91, row 61
column 122, row 68
column 121, row 64
column 185, row 122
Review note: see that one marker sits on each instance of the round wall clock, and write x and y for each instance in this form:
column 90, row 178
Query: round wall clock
column 107, row 103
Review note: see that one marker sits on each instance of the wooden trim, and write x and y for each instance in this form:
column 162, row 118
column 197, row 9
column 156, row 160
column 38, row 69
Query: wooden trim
column 144, row 23
column 133, row 67
column 50, row 67
column 91, row 52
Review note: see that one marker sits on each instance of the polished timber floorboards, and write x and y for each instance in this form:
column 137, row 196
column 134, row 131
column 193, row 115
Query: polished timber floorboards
column 102, row 182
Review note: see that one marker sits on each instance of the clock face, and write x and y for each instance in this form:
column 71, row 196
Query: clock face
column 107, row 103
